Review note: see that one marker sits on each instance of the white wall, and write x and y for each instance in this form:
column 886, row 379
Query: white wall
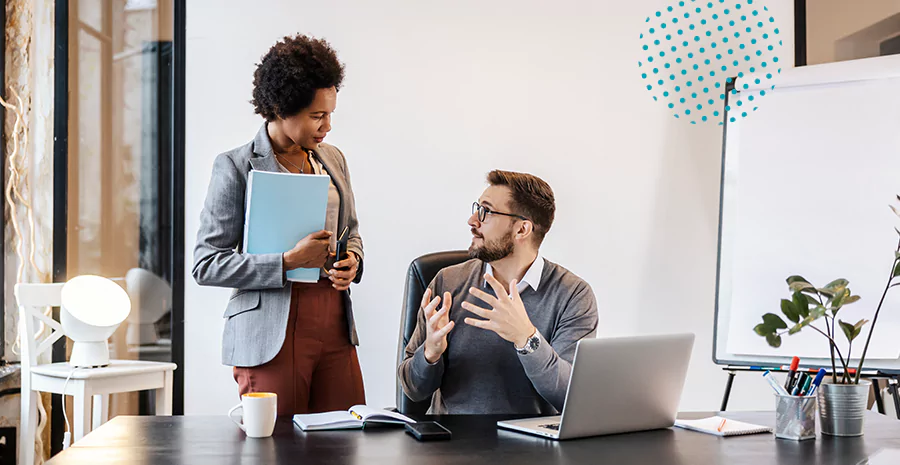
column 436, row 95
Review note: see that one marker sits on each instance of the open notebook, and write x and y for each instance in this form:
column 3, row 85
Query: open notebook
column 730, row 428
column 355, row 418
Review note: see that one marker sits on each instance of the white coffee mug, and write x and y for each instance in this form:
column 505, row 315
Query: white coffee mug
column 259, row 412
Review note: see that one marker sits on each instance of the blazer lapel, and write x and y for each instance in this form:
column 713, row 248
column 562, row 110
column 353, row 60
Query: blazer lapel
column 330, row 167
column 264, row 159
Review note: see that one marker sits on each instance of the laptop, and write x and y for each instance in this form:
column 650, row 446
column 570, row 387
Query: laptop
column 618, row 385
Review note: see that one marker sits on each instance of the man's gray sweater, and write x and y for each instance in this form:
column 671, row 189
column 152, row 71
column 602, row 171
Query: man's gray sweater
column 481, row 373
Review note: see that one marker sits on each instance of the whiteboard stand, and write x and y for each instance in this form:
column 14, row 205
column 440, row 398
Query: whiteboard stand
column 892, row 377
column 893, row 384
column 731, row 373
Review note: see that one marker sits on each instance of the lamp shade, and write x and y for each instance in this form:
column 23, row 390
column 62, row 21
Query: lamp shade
column 151, row 298
column 92, row 308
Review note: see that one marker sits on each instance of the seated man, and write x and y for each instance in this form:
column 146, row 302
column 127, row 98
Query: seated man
column 485, row 347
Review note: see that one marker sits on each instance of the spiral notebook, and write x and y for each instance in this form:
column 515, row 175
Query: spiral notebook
column 729, row 428
column 357, row 417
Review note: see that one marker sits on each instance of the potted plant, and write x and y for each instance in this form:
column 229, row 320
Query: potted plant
column 842, row 401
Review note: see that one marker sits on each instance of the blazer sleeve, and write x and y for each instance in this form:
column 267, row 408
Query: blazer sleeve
column 218, row 260
column 354, row 241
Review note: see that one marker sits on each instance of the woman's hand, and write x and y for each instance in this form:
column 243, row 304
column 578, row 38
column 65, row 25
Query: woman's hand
column 310, row 252
column 343, row 277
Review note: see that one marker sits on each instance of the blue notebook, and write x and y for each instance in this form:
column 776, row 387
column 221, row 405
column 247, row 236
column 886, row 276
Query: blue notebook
column 282, row 209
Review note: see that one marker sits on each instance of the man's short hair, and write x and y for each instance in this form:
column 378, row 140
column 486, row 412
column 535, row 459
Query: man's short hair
column 532, row 198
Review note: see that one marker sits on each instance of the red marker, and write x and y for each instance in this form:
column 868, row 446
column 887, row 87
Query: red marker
column 789, row 383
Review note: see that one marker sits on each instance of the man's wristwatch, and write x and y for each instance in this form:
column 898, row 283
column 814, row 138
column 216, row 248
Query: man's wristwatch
column 530, row 345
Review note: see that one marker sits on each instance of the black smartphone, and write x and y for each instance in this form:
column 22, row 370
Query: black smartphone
column 340, row 249
column 340, row 253
column 427, row 431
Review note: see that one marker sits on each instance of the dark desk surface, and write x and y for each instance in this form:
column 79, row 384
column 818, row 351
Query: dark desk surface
column 199, row 440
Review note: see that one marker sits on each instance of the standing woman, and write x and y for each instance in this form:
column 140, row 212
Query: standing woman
column 297, row 340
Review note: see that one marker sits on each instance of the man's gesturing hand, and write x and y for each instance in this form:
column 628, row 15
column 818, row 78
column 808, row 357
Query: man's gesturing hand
column 507, row 316
column 437, row 325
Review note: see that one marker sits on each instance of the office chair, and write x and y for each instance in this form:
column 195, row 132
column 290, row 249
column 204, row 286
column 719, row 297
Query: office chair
column 421, row 272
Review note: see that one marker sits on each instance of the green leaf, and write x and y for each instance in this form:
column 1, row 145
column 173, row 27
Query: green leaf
column 838, row 299
column 896, row 271
column 796, row 328
column 811, row 299
column 837, row 284
column 851, row 299
column 774, row 321
column 796, row 279
column 854, row 329
column 800, row 286
column 801, row 304
column 817, row 312
column 848, row 330
column 826, row 292
column 762, row 329
column 774, row 340
column 787, row 307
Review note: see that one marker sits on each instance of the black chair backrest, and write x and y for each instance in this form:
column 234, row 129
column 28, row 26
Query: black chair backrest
column 421, row 272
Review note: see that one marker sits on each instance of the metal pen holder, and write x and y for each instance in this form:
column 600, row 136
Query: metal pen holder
column 795, row 417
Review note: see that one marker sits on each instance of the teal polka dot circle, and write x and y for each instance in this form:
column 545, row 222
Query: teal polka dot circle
column 708, row 44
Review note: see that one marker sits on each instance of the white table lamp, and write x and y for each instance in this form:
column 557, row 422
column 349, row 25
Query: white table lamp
column 92, row 308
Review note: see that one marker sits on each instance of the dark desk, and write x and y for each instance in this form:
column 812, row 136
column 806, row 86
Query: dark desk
column 215, row 440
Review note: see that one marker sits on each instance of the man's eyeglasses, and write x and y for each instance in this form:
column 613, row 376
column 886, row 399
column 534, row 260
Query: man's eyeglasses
column 483, row 212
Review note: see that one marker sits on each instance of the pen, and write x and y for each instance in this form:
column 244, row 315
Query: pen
column 356, row 415
column 817, row 381
column 789, row 383
column 721, row 425
column 798, row 386
column 804, row 389
column 777, row 387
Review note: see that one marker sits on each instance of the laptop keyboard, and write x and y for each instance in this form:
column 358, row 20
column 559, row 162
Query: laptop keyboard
column 553, row 426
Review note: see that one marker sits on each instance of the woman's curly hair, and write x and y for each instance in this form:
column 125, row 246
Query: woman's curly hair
column 286, row 80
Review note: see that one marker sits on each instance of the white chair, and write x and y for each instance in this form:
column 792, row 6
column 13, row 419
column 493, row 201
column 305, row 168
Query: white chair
column 86, row 385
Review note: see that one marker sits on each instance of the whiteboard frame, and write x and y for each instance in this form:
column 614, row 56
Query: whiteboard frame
column 868, row 69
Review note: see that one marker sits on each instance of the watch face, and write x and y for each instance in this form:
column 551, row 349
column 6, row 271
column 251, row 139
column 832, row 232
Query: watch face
column 531, row 345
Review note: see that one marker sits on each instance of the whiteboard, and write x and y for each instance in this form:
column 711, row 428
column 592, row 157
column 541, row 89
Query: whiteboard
column 806, row 184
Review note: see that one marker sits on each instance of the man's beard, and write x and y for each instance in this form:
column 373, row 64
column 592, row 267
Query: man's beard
column 491, row 251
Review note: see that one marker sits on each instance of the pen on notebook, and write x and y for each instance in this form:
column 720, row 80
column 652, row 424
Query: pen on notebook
column 789, row 383
column 356, row 415
column 815, row 384
column 721, row 425
column 772, row 382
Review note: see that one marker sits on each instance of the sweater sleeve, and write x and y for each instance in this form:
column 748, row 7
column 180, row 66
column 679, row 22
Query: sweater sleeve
column 550, row 365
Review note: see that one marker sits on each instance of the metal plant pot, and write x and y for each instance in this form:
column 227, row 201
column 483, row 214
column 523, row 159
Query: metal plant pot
column 842, row 407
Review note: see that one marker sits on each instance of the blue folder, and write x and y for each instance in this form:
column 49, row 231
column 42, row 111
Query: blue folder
column 282, row 209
